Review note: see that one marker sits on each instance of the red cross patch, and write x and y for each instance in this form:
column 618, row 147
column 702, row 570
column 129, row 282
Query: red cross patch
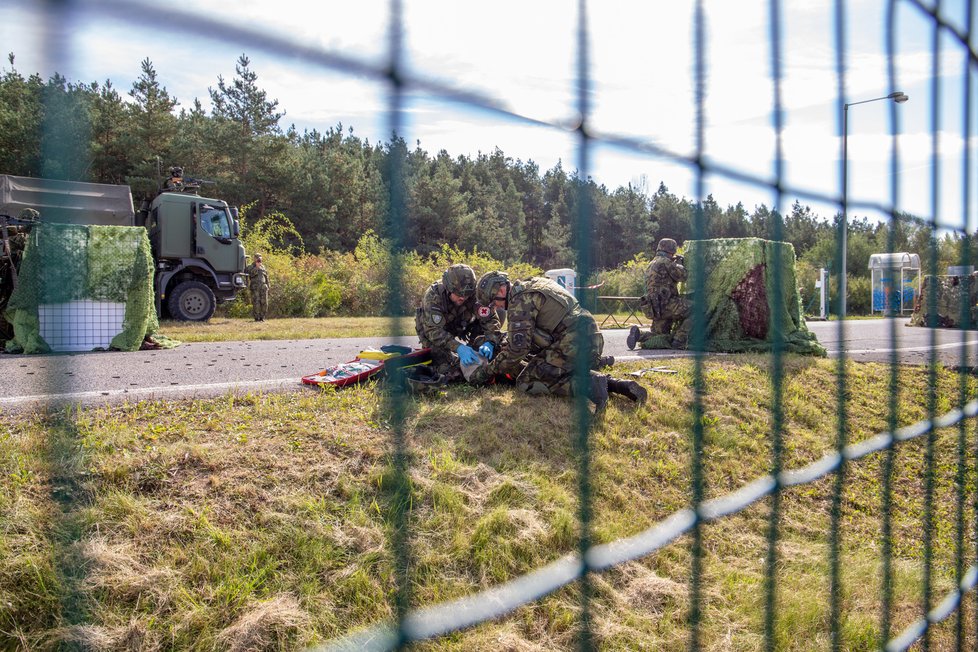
column 484, row 311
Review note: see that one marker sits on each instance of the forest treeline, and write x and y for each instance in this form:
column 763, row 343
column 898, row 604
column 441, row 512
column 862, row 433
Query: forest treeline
column 334, row 186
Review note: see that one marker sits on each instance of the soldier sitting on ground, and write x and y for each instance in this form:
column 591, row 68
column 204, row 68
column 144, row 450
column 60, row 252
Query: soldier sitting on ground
column 662, row 303
column 544, row 327
column 449, row 322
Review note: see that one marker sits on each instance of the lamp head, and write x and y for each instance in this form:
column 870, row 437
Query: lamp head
column 898, row 96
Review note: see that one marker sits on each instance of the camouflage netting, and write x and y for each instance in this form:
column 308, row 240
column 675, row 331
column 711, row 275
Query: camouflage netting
column 64, row 263
column 739, row 292
column 951, row 292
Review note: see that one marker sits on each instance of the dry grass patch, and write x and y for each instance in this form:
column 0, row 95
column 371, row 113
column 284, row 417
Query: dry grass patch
column 266, row 522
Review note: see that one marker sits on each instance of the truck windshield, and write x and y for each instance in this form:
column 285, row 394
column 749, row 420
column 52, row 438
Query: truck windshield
column 215, row 221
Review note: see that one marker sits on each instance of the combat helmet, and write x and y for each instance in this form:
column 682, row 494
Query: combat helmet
column 459, row 279
column 488, row 285
column 667, row 245
column 422, row 379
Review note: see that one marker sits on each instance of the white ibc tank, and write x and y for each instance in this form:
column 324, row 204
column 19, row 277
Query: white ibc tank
column 566, row 278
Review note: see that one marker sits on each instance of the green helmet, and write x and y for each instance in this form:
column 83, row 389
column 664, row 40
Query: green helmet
column 488, row 286
column 460, row 280
column 422, row 379
column 668, row 245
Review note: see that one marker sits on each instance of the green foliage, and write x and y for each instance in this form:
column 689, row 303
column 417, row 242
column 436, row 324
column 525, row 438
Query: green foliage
column 273, row 233
column 627, row 280
column 347, row 284
column 333, row 187
column 859, row 300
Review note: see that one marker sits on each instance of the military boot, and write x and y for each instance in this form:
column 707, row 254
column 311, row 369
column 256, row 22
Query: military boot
column 628, row 388
column 632, row 338
column 598, row 390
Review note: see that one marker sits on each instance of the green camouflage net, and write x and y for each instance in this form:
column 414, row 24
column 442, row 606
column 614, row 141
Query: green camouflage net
column 739, row 291
column 951, row 292
column 64, row 263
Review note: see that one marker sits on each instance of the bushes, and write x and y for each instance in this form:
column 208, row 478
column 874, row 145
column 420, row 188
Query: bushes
column 625, row 281
column 352, row 284
column 858, row 289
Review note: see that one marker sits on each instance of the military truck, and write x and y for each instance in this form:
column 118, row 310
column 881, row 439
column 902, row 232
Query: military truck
column 199, row 259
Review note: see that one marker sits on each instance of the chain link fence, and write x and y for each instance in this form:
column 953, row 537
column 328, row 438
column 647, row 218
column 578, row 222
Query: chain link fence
column 580, row 567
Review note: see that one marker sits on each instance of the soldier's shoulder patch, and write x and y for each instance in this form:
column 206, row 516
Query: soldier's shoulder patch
column 436, row 317
column 484, row 312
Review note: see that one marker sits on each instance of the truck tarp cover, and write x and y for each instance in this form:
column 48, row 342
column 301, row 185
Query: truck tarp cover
column 67, row 202
column 67, row 262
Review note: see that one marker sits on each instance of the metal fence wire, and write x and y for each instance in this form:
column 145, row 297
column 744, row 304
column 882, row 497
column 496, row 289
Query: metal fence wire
column 418, row 624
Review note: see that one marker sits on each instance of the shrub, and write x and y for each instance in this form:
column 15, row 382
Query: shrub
column 859, row 293
column 352, row 283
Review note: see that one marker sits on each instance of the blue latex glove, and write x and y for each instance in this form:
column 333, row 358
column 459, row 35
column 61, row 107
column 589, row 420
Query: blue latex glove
column 466, row 354
column 486, row 350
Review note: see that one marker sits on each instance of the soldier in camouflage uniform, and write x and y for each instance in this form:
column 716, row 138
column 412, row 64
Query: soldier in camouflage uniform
column 662, row 303
column 448, row 313
column 543, row 323
column 12, row 246
column 258, row 286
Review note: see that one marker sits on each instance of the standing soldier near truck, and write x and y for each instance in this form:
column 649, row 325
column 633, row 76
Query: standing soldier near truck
column 259, row 286
column 662, row 303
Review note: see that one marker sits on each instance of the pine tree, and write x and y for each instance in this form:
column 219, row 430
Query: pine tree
column 154, row 125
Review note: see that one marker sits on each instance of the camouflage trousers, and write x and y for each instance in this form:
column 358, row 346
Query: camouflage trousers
column 674, row 321
column 259, row 302
column 443, row 361
column 551, row 373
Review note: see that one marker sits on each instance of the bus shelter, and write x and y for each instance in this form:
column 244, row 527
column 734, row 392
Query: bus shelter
column 895, row 282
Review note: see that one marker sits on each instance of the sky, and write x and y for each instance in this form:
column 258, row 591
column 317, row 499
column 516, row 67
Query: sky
column 318, row 60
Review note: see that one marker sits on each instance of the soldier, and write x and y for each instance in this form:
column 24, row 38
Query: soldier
column 662, row 302
column 12, row 246
column 175, row 182
column 448, row 314
column 544, row 324
column 259, row 286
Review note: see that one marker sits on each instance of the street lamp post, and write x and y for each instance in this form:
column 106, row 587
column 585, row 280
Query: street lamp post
column 897, row 96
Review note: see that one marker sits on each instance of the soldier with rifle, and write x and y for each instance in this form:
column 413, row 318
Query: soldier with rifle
column 662, row 303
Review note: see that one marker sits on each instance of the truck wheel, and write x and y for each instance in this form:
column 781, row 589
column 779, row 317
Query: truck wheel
column 191, row 301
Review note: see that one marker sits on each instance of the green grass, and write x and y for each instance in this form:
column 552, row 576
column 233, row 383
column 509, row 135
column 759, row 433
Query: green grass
column 265, row 521
column 224, row 329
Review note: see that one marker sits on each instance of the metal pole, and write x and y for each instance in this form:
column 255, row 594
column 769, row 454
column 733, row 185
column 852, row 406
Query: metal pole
column 845, row 211
column 899, row 97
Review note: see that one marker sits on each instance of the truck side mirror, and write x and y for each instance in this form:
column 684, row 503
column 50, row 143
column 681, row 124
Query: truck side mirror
column 235, row 228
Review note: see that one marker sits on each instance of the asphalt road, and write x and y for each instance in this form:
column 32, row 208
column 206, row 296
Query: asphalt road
column 214, row 369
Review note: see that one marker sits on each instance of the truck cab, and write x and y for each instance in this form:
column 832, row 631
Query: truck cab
column 199, row 260
column 198, row 257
